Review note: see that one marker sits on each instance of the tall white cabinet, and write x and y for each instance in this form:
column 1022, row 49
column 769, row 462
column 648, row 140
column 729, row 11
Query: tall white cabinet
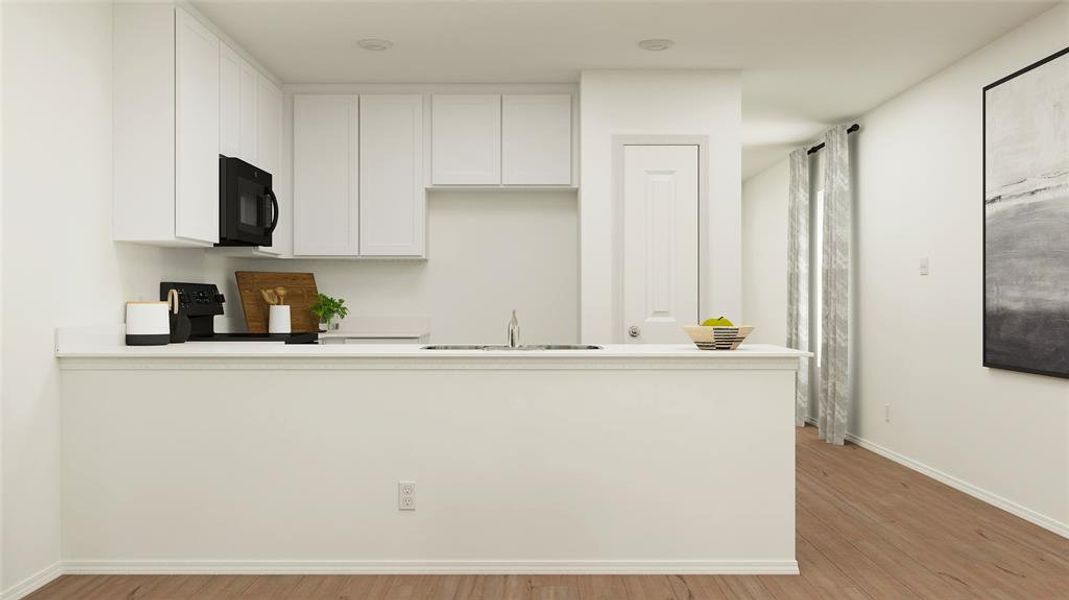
column 196, row 130
column 358, row 175
column 326, row 176
column 392, row 198
column 165, row 127
column 182, row 97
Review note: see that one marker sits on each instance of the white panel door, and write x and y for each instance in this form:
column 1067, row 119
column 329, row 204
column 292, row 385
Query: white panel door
column 466, row 139
column 229, row 101
column 660, row 242
column 238, row 82
column 269, row 154
column 392, row 196
column 325, row 175
column 249, row 123
column 536, row 147
column 197, row 130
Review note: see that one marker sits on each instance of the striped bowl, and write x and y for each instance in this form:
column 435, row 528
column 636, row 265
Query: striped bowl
column 717, row 338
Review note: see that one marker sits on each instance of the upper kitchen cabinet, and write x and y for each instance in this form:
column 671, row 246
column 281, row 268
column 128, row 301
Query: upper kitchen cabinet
column 392, row 197
column 269, row 156
column 466, row 139
column 495, row 140
column 165, row 127
column 536, row 146
column 238, row 122
column 326, row 176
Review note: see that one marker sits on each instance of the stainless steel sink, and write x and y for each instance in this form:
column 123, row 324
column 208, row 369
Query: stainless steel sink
column 494, row 348
column 564, row 347
column 513, row 343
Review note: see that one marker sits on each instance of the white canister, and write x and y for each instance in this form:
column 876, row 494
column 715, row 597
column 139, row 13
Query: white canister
column 278, row 319
column 147, row 324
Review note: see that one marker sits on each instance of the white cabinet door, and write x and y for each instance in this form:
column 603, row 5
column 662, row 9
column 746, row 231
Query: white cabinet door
column 660, row 245
column 536, row 146
column 238, row 124
column 466, row 139
column 392, row 197
column 326, row 178
column 250, row 82
column 197, row 130
column 269, row 155
column 229, row 101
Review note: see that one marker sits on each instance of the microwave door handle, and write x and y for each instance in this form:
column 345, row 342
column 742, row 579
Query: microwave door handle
column 274, row 207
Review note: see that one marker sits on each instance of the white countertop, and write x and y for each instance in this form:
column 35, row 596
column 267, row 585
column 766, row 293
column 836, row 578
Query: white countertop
column 311, row 351
column 103, row 344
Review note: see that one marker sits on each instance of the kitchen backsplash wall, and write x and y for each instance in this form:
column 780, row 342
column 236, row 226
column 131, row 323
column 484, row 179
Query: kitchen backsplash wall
column 488, row 252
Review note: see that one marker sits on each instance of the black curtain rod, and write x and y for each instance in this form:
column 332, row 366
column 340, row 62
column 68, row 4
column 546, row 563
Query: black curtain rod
column 818, row 147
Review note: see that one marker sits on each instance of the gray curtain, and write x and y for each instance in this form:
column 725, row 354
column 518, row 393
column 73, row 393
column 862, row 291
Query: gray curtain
column 837, row 227
column 798, row 276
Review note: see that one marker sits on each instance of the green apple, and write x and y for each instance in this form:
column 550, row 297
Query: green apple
column 721, row 322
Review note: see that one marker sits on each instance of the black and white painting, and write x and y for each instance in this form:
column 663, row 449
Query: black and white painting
column 1026, row 219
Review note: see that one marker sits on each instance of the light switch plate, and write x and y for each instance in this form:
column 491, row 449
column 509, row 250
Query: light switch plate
column 924, row 265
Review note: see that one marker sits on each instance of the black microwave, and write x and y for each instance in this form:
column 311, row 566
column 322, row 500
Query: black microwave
column 248, row 209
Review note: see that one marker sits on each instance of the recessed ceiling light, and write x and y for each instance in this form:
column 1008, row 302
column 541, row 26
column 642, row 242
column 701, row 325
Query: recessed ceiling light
column 656, row 45
column 375, row 44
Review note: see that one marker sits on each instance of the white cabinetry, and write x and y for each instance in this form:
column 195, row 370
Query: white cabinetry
column 197, row 131
column 326, row 178
column 269, row 156
column 536, row 147
column 466, row 139
column 165, row 127
column 238, row 121
column 495, row 140
column 392, row 197
column 358, row 185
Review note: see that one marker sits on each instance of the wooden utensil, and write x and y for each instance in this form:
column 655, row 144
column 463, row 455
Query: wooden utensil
column 269, row 296
column 300, row 294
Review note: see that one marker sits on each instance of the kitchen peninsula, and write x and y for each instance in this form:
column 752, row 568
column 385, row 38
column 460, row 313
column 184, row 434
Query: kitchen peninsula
column 260, row 457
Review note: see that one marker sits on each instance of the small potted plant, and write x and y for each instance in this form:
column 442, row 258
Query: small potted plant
column 329, row 311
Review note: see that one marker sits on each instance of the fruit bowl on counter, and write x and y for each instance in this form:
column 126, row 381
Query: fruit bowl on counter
column 717, row 334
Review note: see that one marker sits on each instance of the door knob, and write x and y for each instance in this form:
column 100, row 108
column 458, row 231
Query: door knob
column 634, row 331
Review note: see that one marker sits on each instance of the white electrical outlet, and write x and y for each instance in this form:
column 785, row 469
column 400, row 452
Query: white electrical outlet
column 887, row 413
column 406, row 495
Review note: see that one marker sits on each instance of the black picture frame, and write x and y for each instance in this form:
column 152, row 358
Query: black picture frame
column 987, row 362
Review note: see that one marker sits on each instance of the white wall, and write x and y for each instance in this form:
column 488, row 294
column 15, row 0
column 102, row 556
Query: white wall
column 919, row 177
column 764, row 254
column 59, row 267
column 488, row 252
column 919, row 338
column 658, row 103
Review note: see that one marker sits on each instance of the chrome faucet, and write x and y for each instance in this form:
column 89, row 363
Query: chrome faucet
column 514, row 331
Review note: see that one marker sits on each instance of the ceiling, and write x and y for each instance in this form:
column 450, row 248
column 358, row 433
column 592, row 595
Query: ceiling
column 805, row 65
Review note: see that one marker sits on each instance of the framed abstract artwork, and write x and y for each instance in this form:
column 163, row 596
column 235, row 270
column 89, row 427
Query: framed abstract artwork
column 1026, row 219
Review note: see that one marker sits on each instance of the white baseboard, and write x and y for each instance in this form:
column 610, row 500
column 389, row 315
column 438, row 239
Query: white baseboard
column 430, row 567
column 33, row 583
column 995, row 500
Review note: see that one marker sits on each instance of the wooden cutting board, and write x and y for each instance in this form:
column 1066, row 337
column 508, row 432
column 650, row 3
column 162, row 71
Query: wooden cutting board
column 301, row 293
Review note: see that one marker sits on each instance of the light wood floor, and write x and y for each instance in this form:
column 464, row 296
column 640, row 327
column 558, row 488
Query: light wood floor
column 868, row 529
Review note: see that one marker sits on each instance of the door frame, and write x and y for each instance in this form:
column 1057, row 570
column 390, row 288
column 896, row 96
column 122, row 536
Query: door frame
column 619, row 143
